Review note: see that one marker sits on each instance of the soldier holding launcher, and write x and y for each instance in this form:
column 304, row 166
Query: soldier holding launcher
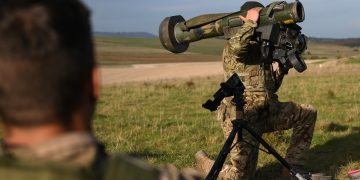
column 263, row 110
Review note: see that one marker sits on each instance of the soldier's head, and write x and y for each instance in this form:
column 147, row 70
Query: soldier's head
column 249, row 5
column 47, row 66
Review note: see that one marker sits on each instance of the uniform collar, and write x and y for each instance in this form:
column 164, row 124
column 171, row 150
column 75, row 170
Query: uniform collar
column 73, row 148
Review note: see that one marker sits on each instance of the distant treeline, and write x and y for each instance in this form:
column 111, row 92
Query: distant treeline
column 127, row 34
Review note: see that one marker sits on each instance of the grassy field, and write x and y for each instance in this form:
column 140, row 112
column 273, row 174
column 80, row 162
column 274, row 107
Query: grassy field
column 163, row 122
column 126, row 51
column 353, row 61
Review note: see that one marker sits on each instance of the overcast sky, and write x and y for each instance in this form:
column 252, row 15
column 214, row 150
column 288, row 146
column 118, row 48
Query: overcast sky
column 324, row 18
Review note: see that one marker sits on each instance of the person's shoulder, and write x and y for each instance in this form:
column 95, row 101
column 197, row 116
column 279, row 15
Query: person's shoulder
column 20, row 169
column 115, row 166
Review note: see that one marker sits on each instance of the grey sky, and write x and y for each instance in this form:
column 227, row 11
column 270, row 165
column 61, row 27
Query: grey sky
column 324, row 18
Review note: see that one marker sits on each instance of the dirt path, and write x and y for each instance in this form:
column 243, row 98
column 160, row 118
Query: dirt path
column 149, row 72
column 152, row 72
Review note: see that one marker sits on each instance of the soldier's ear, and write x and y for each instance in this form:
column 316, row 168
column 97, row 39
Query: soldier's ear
column 96, row 82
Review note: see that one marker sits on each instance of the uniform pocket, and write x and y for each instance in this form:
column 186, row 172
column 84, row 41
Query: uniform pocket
column 221, row 112
column 255, row 100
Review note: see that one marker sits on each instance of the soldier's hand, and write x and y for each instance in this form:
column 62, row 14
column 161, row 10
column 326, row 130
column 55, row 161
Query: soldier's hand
column 252, row 14
column 278, row 73
column 277, row 70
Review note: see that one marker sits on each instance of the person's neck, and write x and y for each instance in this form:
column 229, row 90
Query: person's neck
column 20, row 136
column 32, row 135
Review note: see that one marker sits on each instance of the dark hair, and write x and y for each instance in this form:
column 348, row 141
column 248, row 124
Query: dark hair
column 46, row 59
column 249, row 5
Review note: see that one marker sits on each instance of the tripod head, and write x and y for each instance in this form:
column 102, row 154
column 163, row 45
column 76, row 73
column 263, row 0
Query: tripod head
column 232, row 87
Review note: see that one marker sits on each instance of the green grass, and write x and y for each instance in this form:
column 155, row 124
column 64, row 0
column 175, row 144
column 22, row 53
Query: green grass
column 353, row 61
column 215, row 46
column 209, row 46
column 163, row 122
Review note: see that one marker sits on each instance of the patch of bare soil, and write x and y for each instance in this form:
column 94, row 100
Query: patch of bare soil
column 152, row 72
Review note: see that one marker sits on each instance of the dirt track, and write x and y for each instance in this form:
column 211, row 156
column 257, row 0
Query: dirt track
column 148, row 72
column 152, row 72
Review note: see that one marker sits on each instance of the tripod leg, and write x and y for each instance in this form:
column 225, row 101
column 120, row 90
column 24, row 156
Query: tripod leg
column 220, row 160
column 272, row 151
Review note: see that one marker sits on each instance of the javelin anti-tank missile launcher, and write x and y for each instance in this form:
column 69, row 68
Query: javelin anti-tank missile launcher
column 280, row 36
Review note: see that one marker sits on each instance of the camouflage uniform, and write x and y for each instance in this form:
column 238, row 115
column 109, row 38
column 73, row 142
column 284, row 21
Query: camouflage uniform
column 263, row 111
column 76, row 156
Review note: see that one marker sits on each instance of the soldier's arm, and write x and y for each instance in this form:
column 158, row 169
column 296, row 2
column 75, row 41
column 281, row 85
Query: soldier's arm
column 239, row 43
column 279, row 76
column 170, row 172
column 279, row 81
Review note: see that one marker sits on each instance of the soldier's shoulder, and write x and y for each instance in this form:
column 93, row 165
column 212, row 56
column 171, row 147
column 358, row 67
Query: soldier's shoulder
column 18, row 169
column 117, row 166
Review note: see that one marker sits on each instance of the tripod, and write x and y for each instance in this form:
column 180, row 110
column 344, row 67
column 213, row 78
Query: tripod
column 234, row 87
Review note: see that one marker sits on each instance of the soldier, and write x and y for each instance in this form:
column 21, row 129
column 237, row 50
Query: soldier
column 49, row 85
column 263, row 111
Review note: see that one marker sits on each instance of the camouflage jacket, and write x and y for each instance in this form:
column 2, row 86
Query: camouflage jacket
column 78, row 156
column 242, row 55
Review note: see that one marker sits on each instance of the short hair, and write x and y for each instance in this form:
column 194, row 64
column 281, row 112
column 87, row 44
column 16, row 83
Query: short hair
column 46, row 60
column 249, row 5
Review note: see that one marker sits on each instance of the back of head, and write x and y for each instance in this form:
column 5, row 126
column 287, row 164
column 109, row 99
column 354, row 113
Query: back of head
column 46, row 60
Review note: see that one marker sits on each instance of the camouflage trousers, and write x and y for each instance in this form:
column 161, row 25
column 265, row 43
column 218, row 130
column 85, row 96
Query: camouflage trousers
column 288, row 115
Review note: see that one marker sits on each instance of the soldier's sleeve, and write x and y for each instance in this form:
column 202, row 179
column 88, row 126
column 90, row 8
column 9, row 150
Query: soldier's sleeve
column 170, row 172
column 121, row 166
column 279, row 81
column 277, row 74
column 239, row 43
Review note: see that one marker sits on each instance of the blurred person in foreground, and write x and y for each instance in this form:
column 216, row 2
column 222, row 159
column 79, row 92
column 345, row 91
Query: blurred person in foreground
column 49, row 85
